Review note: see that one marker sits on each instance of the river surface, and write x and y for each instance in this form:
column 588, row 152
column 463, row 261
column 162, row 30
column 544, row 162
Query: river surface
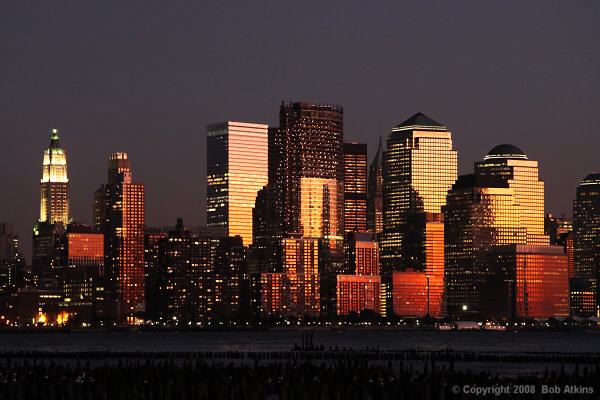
column 281, row 339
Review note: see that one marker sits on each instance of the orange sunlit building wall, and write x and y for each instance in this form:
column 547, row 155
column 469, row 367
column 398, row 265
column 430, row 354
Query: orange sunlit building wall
column 420, row 293
column 534, row 278
column 295, row 291
column 356, row 293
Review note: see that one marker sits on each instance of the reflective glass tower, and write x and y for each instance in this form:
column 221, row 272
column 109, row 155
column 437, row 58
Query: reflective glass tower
column 237, row 169
column 54, row 185
column 510, row 167
column 419, row 167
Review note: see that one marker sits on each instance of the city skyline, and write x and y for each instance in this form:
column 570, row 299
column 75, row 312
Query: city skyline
column 145, row 86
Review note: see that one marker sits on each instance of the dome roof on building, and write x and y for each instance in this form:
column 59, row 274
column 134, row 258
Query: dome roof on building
column 506, row 151
column 591, row 179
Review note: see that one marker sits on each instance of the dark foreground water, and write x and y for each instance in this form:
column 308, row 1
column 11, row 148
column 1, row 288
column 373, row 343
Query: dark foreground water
column 279, row 340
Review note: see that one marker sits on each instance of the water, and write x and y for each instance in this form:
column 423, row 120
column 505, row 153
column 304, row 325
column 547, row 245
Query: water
column 281, row 339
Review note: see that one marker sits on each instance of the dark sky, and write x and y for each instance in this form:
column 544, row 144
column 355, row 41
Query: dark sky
column 146, row 77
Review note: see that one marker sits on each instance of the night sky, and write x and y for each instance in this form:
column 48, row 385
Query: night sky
column 146, row 77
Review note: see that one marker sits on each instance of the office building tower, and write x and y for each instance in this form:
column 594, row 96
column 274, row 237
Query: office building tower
column 355, row 187
column 119, row 215
column 44, row 268
column 477, row 218
column 236, row 164
column 419, row 167
column 586, row 246
column 54, row 185
column 11, row 260
column 526, row 281
column 309, row 181
column 510, row 167
column 81, row 264
column 375, row 194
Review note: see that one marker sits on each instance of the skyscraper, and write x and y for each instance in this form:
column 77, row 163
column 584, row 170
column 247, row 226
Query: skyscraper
column 119, row 214
column 586, row 246
column 54, row 185
column 237, row 154
column 355, row 187
column 419, row 167
column 309, row 145
column 477, row 217
column 510, row 167
column 375, row 194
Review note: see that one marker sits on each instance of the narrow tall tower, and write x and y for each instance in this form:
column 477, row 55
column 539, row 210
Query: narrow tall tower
column 54, row 185
column 119, row 214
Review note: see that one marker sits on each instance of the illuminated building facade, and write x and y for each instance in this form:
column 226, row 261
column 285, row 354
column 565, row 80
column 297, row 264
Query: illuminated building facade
column 526, row 281
column 586, row 245
column 355, row 187
column 54, row 185
column 119, row 205
column 419, row 167
column 360, row 287
column 375, row 194
column 362, row 254
column 236, row 171
column 356, row 293
column 476, row 218
column 81, row 263
column 510, row 167
column 309, row 182
column 420, row 293
column 295, row 291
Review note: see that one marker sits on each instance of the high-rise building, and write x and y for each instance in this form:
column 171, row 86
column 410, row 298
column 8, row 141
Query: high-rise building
column 54, row 185
column 119, row 214
column 236, row 160
column 44, row 268
column 526, row 281
column 586, row 247
column 355, row 187
column 153, row 238
column 510, row 167
column 375, row 194
column 419, row 167
column 11, row 261
column 308, row 148
column 476, row 218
